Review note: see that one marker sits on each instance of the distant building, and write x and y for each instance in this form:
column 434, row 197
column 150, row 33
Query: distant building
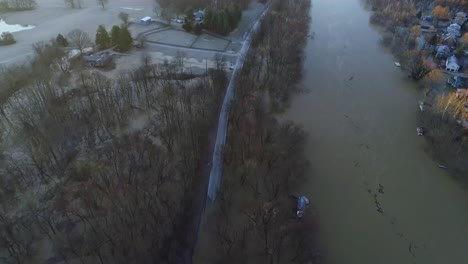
column 145, row 21
column 452, row 64
column 443, row 52
column 428, row 19
column 460, row 18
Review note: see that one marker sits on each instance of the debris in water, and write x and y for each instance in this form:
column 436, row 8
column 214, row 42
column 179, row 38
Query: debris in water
column 381, row 189
column 442, row 166
column 420, row 131
column 422, row 106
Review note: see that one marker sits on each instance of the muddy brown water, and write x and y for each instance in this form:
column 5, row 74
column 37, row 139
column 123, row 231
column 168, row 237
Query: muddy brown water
column 361, row 116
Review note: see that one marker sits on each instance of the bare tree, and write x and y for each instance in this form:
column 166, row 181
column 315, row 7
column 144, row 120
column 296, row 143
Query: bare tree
column 102, row 3
column 74, row 3
column 124, row 17
column 79, row 39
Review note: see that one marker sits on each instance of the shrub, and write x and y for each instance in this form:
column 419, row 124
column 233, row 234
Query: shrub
column 7, row 39
column 61, row 40
column 187, row 26
column 198, row 29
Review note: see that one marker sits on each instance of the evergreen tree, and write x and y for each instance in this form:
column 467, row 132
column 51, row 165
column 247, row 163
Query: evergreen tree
column 61, row 40
column 103, row 40
column 115, row 35
column 125, row 39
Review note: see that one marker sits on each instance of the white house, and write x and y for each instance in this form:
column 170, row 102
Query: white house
column 452, row 64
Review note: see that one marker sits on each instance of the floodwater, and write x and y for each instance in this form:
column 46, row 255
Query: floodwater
column 4, row 27
column 361, row 116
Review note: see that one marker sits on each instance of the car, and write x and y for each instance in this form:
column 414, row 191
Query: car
column 180, row 21
column 137, row 44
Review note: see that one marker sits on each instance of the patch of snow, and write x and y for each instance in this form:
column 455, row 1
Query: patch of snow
column 4, row 27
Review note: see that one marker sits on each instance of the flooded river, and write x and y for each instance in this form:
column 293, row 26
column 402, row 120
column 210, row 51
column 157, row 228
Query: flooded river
column 361, row 116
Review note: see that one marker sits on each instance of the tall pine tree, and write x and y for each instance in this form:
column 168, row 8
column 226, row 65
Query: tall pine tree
column 115, row 36
column 125, row 39
column 103, row 40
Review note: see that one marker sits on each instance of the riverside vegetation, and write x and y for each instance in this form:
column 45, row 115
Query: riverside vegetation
column 253, row 218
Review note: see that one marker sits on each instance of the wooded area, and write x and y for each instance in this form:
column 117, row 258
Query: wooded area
column 97, row 170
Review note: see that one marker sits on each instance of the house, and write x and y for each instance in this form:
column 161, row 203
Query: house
column 455, row 26
column 98, row 60
column 443, row 52
column 452, row 64
column 457, row 82
column 460, row 18
column 145, row 21
column 199, row 15
column 428, row 19
column 427, row 27
column 454, row 29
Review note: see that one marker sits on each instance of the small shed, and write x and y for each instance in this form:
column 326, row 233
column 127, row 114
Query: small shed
column 452, row 64
column 145, row 21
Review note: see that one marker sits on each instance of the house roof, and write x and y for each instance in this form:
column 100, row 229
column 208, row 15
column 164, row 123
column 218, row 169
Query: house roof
column 95, row 58
column 449, row 36
column 443, row 49
column 454, row 26
column 452, row 60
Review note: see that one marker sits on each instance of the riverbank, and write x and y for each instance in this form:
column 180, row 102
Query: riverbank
column 407, row 32
column 252, row 219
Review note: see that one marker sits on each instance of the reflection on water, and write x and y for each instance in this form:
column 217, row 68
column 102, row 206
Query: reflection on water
column 380, row 197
